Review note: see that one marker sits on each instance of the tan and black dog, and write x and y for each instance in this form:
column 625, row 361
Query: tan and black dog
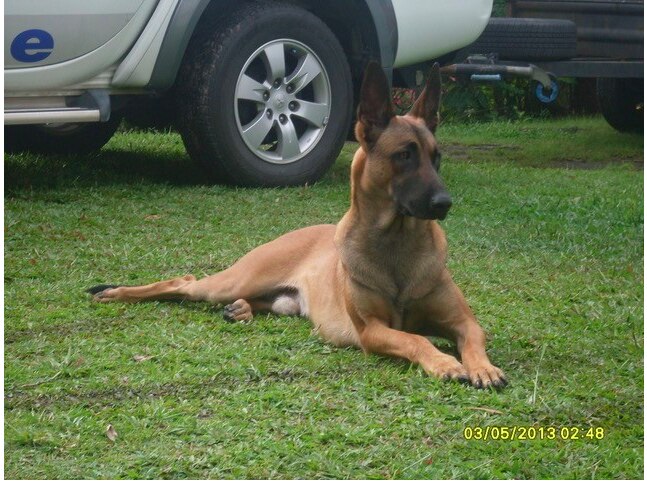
column 376, row 280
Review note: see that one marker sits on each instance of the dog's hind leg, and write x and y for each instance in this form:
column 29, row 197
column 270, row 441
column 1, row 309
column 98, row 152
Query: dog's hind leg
column 221, row 288
column 263, row 279
column 217, row 289
column 172, row 289
column 254, row 275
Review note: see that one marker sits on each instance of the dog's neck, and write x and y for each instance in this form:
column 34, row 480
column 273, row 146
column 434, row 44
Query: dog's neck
column 373, row 233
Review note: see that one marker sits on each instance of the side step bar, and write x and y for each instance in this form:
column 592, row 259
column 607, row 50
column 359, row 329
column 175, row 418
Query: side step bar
column 92, row 106
column 51, row 116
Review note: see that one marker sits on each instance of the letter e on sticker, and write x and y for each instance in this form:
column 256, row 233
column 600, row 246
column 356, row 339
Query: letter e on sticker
column 32, row 45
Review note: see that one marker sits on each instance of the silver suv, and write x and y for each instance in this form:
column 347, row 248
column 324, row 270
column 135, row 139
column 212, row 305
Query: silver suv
column 263, row 90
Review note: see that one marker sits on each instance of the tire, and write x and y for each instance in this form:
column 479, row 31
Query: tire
column 527, row 39
column 62, row 139
column 620, row 101
column 223, row 130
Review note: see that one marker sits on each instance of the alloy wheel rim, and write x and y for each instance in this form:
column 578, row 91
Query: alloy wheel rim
column 282, row 101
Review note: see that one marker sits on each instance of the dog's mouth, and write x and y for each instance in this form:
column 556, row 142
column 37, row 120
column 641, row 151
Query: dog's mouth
column 435, row 214
column 439, row 214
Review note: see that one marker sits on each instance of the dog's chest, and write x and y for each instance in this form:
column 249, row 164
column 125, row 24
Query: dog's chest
column 401, row 271
column 413, row 277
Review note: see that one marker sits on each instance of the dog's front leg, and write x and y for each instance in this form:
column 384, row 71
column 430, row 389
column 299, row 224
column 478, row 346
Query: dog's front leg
column 380, row 339
column 448, row 313
column 370, row 314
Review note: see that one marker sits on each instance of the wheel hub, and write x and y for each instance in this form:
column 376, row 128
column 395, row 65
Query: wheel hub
column 280, row 102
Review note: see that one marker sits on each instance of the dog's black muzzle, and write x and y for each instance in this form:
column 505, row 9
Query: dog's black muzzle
column 428, row 206
column 439, row 205
column 423, row 200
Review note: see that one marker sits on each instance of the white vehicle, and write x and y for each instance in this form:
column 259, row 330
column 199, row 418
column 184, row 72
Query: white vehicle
column 263, row 89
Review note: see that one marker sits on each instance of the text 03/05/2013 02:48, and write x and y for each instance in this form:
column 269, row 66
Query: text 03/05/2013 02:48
column 532, row 433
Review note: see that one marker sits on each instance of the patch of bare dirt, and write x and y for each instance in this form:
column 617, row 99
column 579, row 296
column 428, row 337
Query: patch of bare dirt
column 462, row 152
column 637, row 164
column 21, row 397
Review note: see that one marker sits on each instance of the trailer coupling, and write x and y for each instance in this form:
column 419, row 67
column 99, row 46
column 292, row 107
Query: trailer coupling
column 486, row 68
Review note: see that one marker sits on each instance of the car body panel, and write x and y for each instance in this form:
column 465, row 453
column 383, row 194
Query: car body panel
column 76, row 54
column 137, row 68
column 409, row 31
column 428, row 29
column 386, row 27
column 188, row 12
column 68, row 47
column 173, row 44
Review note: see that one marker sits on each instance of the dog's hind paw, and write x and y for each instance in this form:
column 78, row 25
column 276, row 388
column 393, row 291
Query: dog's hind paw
column 97, row 291
column 238, row 311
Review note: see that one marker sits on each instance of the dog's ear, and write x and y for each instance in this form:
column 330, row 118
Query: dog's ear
column 375, row 110
column 428, row 103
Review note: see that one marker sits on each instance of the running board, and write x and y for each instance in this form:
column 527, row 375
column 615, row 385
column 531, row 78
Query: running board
column 91, row 106
column 51, row 116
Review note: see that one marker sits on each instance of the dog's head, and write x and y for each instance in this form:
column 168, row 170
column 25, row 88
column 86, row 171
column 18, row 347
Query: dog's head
column 403, row 157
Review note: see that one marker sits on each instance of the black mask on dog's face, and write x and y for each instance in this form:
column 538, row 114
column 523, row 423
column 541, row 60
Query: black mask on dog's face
column 417, row 188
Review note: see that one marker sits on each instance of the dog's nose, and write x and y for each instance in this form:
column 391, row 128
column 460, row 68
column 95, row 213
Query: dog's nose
column 440, row 204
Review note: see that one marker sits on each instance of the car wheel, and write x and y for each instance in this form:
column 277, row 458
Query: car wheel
column 621, row 102
column 68, row 138
column 265, row 97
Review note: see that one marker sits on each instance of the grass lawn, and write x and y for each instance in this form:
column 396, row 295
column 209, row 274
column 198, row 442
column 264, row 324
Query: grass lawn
column 546, row 241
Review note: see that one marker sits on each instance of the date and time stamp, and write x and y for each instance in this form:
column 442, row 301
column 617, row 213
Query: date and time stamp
column 533, row 433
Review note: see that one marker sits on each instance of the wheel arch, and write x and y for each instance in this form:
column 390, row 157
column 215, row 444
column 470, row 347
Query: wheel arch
column 366, row 29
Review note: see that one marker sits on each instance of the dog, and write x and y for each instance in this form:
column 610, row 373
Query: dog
column 377, row 280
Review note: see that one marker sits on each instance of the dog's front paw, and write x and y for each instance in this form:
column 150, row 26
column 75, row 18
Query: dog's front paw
column 485, row 375
column 447, row 368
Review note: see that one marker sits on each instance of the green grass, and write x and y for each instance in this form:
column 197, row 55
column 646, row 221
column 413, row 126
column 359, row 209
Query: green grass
column 550, row 259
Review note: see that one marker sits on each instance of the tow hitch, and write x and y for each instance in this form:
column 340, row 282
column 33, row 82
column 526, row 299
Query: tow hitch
column 487, row 68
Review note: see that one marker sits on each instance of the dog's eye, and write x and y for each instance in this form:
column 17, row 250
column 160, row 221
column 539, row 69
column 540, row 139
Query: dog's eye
column 404, row 155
